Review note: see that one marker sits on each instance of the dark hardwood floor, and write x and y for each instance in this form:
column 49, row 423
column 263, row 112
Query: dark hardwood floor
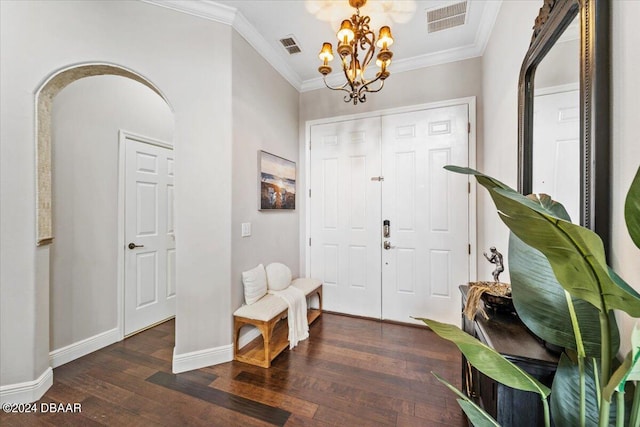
column 351, row 372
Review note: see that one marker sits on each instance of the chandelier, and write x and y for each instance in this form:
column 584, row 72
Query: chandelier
column 354, row 38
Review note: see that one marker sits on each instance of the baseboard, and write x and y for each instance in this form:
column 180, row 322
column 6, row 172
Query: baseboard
column 247, row 336
column 29, row 391
column 82, row 348
column 202, row 358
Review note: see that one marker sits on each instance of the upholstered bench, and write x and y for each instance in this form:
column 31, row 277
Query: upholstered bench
column 267, row 314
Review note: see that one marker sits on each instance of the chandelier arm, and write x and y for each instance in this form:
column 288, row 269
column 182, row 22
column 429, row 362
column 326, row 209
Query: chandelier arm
column 366, row 83
column 345, row 67
column 365, row 88
column 363, row 44
column 343, row 87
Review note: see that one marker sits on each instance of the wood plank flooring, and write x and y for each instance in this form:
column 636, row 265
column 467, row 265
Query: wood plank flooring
column 351, row 372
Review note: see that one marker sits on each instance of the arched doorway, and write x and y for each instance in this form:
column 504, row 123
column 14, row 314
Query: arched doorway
column 77, row 168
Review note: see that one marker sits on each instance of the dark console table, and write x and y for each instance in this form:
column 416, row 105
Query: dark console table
column 505, row 333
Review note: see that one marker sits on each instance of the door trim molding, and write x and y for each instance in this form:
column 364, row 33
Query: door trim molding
column 470, row 102
column 123, row 135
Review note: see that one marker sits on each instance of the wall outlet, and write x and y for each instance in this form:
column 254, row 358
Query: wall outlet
column 246, row 229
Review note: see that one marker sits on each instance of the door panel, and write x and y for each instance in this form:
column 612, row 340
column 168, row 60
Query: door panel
column 345, row 215
column 427, row 206
column 428, row 210
column 150, row 265
column 556, row 130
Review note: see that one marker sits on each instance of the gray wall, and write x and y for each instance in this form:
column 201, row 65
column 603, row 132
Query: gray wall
column 501, row 65
column 265, row 117
column 172, row 50
column 560, row 66
column 626, row 145
column 438, row 83
column 86, row 118
column 499, row 156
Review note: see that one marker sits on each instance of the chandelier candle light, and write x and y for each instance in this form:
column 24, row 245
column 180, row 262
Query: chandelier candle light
column 355, row 37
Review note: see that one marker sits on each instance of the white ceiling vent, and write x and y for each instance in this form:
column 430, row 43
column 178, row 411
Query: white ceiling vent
column 446, row 17
column 290, row 44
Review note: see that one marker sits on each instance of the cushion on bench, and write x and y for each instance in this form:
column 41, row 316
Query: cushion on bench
column 269, row 306
column 306, row 285
column 266, row 308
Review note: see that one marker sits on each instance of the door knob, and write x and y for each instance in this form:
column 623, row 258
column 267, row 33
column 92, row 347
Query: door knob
column 387, row 245
column 133, row 246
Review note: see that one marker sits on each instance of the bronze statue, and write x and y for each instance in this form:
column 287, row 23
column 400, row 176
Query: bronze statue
column 495, row 258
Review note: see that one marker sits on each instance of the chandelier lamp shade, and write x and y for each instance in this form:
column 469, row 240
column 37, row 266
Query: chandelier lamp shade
column 356, row 39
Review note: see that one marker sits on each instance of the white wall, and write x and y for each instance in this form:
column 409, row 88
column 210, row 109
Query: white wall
column 438, row 83
column 265, row 117
column 172, row 50
column 501, row 65
column 499, row 155
column 625, row 256
column 86, row 118
column 560, row 66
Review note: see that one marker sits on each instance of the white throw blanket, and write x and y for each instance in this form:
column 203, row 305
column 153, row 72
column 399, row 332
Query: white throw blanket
column 297, row 314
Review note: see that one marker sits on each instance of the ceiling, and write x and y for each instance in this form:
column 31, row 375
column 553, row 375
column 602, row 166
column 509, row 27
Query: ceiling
column 311, row 22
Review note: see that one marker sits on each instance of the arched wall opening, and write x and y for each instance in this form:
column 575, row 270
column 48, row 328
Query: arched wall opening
column 44, row 100
column 78, row 201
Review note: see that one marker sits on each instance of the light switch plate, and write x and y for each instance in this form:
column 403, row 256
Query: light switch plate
column 246, row 229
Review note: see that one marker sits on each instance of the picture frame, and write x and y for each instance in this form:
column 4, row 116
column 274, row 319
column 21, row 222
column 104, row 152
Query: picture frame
column 277, row 182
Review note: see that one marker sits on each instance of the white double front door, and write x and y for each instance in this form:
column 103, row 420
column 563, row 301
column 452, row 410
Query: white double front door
column 368, row 171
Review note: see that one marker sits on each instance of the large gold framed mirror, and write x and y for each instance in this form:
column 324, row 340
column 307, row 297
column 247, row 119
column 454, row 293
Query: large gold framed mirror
column 564, row 111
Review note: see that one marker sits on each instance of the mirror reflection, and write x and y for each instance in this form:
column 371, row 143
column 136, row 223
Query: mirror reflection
column 556, row 123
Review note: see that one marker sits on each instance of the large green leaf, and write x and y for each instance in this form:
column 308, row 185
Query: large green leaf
column 477, row 415
column 565, row 395
column 634, row 375
column 629, row 370
column 542, row 305
column 487, row 360
column 632, row 209
column 575, row 253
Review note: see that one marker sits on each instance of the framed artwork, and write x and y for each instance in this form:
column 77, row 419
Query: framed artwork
column 277, row 182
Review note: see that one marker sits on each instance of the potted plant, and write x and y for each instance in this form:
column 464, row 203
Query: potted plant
column 565, row 293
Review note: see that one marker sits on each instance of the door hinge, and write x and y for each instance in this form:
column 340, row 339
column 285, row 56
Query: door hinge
column 468, row 127
column 309, row 241
column 468, row 187
column 469, row 246
column 309, row 193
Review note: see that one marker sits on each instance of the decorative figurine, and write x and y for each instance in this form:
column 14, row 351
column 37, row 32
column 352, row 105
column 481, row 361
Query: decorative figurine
column 495, row 258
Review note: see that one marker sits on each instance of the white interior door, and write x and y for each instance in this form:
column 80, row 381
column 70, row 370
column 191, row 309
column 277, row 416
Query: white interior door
column 149, row 283
column 345, row 215
column 556, row 149
column 426, row 256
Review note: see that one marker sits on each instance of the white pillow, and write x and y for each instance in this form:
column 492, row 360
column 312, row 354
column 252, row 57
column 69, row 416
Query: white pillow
column 278, row 276
column 255, row 284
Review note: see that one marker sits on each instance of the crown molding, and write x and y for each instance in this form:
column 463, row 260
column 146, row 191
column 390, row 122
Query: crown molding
column 213, row 11
column 487, row 22
column 228, row 15
column 206, row 9
column 262, row 46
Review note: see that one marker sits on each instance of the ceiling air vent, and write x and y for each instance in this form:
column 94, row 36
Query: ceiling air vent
column 446, row 17
column 290, row 44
